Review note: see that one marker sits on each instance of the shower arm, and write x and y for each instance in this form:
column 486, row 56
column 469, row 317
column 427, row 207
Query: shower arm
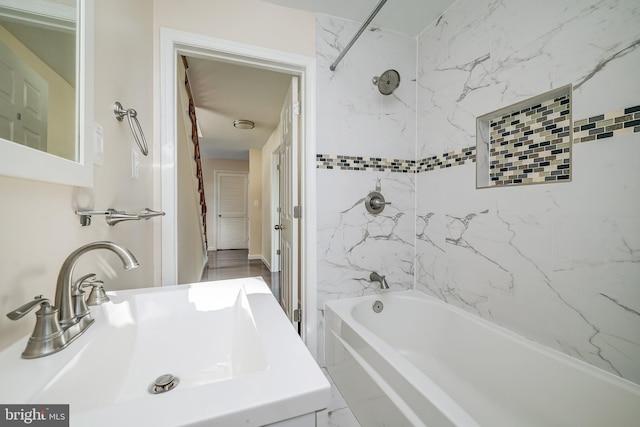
column 353, row 40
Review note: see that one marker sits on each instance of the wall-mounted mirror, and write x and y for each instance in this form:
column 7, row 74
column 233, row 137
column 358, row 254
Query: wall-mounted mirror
column 46, row 95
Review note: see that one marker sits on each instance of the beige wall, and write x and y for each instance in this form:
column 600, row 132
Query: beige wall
column 39, row 227
column 255, row 204
column 252, row 22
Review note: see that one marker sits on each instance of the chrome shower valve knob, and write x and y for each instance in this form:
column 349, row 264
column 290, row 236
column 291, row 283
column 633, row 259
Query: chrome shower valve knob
column 375, row 202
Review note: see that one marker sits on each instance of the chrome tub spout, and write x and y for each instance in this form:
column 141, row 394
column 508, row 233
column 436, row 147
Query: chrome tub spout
column 375, row 277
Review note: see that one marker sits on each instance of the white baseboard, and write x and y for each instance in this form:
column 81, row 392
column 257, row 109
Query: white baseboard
column 261, row 258
column 267, row 264
column 205, row 263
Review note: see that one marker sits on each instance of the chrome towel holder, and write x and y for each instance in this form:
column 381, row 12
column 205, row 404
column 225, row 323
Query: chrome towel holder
column 132, row 116
column 112, row 216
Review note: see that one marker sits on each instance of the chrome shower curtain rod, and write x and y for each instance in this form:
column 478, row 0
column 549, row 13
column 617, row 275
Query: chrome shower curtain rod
column 353, row 40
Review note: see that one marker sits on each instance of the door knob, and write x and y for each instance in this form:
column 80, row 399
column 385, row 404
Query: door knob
column 278, row 227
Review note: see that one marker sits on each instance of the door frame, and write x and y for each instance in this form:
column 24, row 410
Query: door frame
column 174, row 43
column 274, row 215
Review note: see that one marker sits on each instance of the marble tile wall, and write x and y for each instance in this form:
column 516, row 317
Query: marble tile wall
column 558, row 263
column 355, row 120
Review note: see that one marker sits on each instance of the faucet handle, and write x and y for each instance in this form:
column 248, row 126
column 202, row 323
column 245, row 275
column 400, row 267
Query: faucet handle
column 85, row 280
column 47, row 336
column 20, row 312
column 97, row 296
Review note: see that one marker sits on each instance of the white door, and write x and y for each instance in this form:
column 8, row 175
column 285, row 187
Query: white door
column 289, row 283
column 232, row 213
column 23, row 102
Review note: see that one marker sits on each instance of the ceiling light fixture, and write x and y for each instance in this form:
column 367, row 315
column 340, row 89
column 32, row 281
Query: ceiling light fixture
column 243, row 124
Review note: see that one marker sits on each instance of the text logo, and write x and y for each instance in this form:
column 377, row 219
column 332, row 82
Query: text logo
column 34, row 415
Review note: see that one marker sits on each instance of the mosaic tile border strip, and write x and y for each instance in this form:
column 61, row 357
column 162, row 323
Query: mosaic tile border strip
column 607, row 125
column 447, row 160
column 359, row 163
column 532, row 145
column 624, row 122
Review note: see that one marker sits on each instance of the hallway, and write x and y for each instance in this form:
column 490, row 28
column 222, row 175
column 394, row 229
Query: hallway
column 233, row 264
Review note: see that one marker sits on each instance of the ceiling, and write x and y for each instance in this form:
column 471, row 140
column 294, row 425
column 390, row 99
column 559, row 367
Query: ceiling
column 224, row 92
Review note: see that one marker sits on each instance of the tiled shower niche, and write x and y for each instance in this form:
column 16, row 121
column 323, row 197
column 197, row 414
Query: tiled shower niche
column 526, row 143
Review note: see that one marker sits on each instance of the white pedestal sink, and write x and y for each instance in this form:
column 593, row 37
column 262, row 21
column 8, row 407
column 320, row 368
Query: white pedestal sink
column 238, row 360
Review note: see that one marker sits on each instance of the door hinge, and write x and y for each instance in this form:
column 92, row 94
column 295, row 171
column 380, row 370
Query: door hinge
column 297, row 212
column 278, row 209
column 277, row 251
column 297, row 315
column 296, row 108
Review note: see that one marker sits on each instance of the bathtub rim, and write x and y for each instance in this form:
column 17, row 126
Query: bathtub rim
column 344, row 306
column 447, row 406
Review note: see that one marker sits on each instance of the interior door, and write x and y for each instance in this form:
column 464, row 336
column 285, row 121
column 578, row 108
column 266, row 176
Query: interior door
column 289, row 284
column 23, row 102
column 232, row 221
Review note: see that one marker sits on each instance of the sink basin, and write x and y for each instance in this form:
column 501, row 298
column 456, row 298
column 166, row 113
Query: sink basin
column 237, row 358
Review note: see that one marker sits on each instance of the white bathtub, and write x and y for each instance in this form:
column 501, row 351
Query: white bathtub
column 422, row 362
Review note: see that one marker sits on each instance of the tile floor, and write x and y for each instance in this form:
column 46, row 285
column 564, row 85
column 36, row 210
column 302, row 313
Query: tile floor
column 339, row 413
column 233, row 264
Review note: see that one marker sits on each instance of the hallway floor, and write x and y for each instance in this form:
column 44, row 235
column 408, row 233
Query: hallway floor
column 234, row 264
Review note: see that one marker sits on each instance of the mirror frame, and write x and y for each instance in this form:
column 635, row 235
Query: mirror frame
column 24, row 162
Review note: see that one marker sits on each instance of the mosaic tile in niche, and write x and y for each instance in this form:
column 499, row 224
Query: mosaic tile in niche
column 526, row 143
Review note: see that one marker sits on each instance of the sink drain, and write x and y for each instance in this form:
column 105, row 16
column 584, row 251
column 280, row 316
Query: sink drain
column 378, row 306
column 164, row 383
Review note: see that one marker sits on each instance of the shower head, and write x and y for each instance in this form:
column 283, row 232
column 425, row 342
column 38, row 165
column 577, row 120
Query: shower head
column 387, row 82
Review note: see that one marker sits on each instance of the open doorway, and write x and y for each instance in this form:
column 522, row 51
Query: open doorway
column 174, row 43
column 240, row 117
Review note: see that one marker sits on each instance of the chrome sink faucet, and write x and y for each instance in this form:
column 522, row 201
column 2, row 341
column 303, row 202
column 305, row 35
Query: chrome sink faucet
column 375, row 277
column 57, row 326
column 64, row 288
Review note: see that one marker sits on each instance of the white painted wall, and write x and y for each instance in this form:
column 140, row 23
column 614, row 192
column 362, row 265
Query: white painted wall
column 255, row 211
column 39, row 226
